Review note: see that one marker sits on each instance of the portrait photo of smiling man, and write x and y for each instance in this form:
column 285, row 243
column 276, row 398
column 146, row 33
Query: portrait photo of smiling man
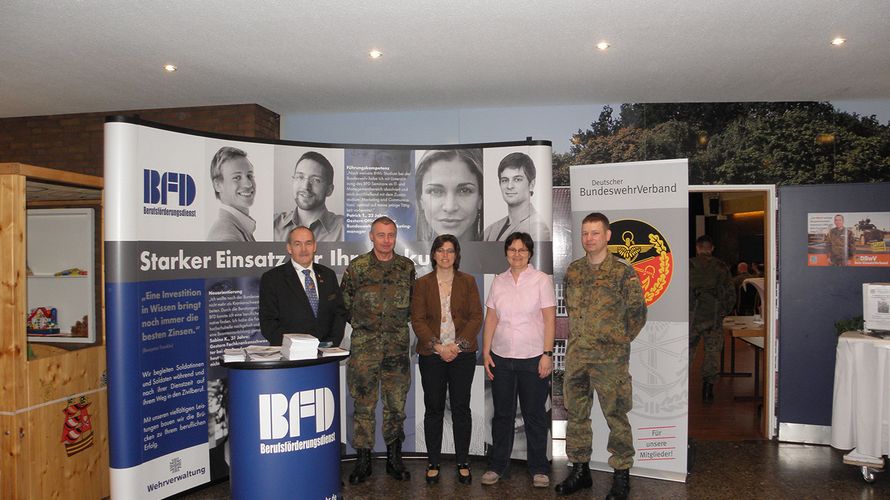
column 516, row 178
column 231, row 175
column 312, row 183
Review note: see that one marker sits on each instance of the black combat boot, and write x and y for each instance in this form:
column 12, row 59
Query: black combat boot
column 362, row 467
column 707, row 391
column 578, row 479
column 394, row 465
column 620, row 485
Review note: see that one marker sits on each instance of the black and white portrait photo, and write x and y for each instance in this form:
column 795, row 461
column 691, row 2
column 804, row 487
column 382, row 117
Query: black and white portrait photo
column 518, row 182
column 232, row 177
column 309, row 192
column 448, row 187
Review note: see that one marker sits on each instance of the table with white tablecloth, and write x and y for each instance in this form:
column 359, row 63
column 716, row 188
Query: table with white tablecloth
column 860, row 419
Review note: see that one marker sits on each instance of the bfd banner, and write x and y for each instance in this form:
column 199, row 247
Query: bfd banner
column 192, row 220
column 647, row 205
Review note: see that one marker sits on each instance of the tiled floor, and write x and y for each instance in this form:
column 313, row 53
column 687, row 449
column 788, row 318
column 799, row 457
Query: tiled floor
column 732, row 461
column 722, row 470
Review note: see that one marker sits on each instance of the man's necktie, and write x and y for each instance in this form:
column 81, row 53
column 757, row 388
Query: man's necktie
column 311, row 292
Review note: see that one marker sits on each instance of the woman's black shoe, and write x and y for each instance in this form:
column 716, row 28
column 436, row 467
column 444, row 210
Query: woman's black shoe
column 464, row 479
column 432, row 479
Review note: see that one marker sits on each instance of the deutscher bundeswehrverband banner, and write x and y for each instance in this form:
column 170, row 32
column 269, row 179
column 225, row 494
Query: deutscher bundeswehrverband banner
column 192, row 221
column 647, row 204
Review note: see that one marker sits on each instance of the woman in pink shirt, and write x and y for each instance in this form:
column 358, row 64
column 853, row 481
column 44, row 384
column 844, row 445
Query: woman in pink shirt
column 517, row 352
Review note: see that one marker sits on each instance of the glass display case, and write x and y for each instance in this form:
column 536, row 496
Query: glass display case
column 61, row 275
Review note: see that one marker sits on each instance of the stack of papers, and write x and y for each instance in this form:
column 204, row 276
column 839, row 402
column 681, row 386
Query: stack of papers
column 299, row 346
column 232, row 355
column 333, row 351
column 263, row 353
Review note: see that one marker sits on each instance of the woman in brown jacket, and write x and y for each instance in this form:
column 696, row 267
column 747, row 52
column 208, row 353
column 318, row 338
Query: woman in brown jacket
column 446, row 314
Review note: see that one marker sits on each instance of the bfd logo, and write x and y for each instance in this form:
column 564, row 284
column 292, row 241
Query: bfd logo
column 156, row 186
column 278, row 414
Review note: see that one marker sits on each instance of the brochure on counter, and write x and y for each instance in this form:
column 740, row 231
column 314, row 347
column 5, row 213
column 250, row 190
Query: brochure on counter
column 276, row 353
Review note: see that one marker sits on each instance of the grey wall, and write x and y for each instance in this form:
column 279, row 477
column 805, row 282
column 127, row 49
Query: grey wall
column 811, row 299
column 554, row 123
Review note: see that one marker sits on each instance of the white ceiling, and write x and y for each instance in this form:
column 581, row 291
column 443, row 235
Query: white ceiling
column 67, row 56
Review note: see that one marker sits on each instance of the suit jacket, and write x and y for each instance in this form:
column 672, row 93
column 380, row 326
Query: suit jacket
column 284, row 306
column 426, row 311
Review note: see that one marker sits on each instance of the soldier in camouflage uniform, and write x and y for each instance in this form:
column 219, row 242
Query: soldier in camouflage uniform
column 840, row 242
column 607, row 310
column 711, row 298
column 377, row 294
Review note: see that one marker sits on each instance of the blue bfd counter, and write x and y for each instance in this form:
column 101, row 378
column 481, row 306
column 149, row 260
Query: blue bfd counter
column 285, row 426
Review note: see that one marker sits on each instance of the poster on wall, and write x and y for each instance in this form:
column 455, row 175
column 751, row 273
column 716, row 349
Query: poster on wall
column 647, row 206
column 855, row 239
column 193, row 220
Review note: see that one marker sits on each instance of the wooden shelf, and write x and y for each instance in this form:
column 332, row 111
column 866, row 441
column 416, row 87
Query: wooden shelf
column 45, row 275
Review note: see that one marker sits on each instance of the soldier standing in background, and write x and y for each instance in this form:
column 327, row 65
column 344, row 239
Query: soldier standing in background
column 840, row 243
column 741, row 275
column 711, row 298
column 607, row 310
column 377, row 290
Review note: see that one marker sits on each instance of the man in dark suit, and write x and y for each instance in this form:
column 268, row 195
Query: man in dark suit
column 301, row 296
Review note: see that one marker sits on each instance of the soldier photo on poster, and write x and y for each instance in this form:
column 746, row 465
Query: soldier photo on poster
column 855, row 239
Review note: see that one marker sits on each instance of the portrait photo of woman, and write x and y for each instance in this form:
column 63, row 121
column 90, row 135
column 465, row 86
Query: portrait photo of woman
column 448, row 186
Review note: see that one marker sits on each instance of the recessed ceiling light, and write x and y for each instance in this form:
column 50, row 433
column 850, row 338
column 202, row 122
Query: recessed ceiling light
column 602, row 45
column 375, row 54
column 169, row 68
column 838, row 41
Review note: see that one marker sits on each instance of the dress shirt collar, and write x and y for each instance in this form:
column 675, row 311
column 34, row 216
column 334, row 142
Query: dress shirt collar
column 524, row 275
column 300, row 269
column 244, row 220
column 326, row 221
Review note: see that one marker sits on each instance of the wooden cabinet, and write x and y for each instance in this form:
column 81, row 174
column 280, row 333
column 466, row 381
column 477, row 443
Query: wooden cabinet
column 53, row 394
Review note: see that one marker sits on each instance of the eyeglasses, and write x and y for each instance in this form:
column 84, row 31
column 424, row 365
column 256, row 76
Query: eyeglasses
column 520, row 251
column 449, row 251
column 313, row 179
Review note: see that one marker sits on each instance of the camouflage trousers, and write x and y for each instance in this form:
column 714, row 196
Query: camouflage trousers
column 612, row 382
column 377, row 366
column 713, row 341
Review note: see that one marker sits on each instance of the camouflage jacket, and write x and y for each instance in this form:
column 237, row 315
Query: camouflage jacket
column 606, row 306
column 838, row 249
column 711, row 292
column 377, row 294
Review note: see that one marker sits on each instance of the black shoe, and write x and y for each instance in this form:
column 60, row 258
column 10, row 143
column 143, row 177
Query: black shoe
column 462, row 479
column 707, row 391
column 394, row 465
column 362, row 467
column 620, row 485
column 578, row 479
column 432, row 479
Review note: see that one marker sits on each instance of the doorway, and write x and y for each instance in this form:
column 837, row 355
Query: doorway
column 742, row 222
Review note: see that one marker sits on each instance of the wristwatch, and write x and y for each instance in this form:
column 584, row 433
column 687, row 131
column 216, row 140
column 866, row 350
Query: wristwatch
column 548, row 353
